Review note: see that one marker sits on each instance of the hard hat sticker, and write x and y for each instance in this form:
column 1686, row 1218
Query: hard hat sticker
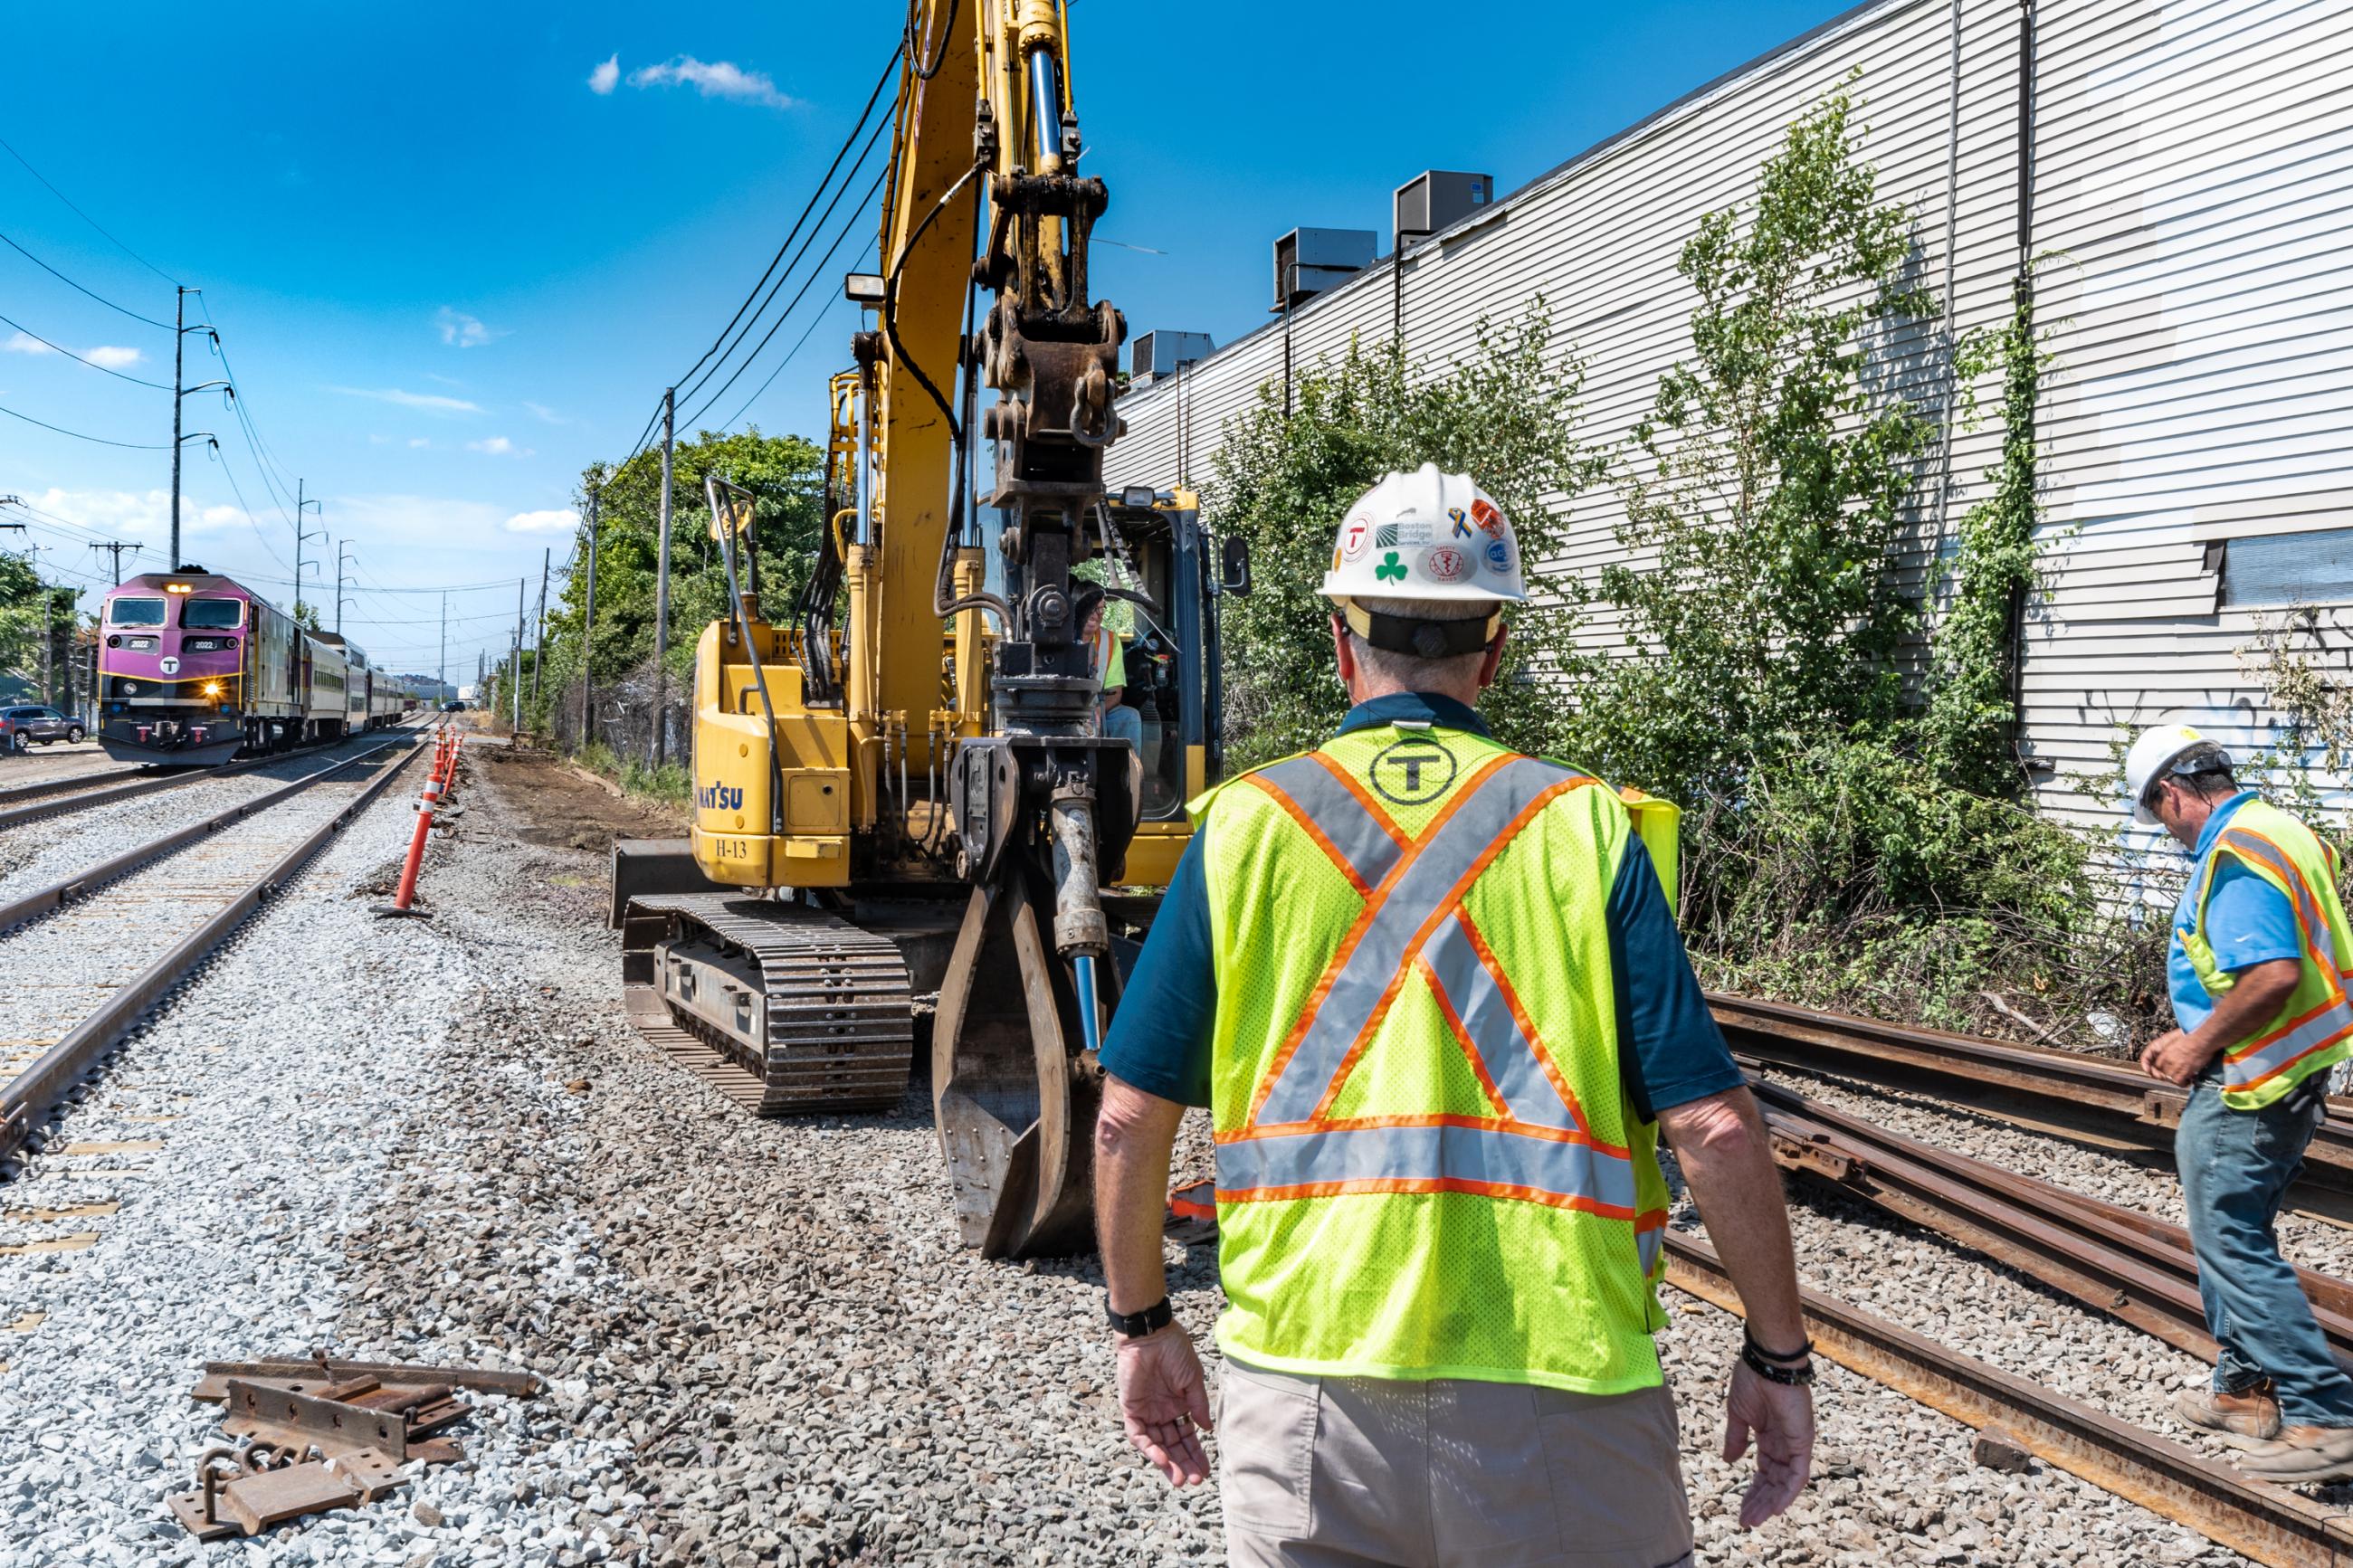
column 1414, row 771
column 1446, row 564
column 1499, row 555
column 1357, row 534
column 1490, row 520
column 1392, row 534
column 1391, row 569
column 1462, row 522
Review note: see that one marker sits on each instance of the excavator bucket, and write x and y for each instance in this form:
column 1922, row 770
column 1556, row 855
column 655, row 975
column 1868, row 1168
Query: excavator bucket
column 1013, row 1097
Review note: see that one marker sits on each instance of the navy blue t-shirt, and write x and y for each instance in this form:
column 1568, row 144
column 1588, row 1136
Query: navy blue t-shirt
column 1670, row 1050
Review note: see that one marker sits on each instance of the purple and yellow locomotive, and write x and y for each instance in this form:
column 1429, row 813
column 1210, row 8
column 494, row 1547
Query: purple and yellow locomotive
column 194, row 668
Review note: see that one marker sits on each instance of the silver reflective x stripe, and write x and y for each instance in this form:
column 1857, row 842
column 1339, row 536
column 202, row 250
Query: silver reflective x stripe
column 1368, row 845
column 1473, row 994
column 1646, row 1241
column 2255, row 847
column 1482, row 1157
column 1416, row 890
column 2320, row 1029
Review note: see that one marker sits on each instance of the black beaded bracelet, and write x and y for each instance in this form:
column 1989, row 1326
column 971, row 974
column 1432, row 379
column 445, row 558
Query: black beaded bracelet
column 1753, row 1343
column 1788, row 1376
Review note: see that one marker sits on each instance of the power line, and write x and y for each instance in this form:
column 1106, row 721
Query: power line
column 87, row 219
column 59, row 348
column 688, row 383
column 72, row 284
column 823, row 262
column 129, row 445
column 873, row 245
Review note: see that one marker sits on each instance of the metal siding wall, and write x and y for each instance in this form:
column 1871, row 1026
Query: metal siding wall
column 2194, row 192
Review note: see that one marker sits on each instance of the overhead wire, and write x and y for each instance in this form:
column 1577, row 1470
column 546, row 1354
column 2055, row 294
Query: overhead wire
column 873, row 245
column 872, row 98
column 839, row 192
column 70, row 283
column 86, row 218
column 60, row 348
column 79, row 436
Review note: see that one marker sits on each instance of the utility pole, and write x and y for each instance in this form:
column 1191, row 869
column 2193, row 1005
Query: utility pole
column 539, row 644
column 180, row 391
column 661, row 579
column 516, row 667
column 342, row 546
column 589, row 632
column 299, row 537
column 117, row 547
column 441, row 670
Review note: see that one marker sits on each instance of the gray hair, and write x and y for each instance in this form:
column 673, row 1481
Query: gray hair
column 2205, row 770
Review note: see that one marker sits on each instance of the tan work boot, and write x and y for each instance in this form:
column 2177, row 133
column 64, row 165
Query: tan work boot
column 2254, row 1414
column 2303, row 1455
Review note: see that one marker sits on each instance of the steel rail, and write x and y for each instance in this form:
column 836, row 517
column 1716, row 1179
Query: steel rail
column 82, row 884
column 2105, row 1100
column 2252, row 1517
column 39, row 788
column 43, row 1085
column 65, row 804
column 2142, row 1273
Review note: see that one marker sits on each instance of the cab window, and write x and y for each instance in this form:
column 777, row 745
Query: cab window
column 135, row 611
column 213, row 614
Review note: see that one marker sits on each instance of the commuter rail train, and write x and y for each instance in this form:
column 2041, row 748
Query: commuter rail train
column 194, row 669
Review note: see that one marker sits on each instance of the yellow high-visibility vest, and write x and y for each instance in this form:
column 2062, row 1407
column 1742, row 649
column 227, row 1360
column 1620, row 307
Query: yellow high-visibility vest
column 2311, row 1032
column 1426, row 1163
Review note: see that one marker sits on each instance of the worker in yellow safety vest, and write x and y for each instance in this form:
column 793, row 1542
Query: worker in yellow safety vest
column 1431, row 992
column 2256, row 967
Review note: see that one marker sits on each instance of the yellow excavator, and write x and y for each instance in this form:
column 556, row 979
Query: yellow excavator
column 914, row 811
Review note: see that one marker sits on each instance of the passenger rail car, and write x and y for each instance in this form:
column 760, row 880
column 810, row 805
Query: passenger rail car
column 195, row 670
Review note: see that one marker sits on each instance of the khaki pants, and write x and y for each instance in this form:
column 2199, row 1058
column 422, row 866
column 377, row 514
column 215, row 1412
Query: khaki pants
column 1357, row 1472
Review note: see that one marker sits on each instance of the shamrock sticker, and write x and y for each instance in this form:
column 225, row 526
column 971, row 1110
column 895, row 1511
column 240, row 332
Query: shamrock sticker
column 1390, row 570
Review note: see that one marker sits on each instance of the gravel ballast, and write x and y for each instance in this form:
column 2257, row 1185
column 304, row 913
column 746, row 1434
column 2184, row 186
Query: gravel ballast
column 443, row 1143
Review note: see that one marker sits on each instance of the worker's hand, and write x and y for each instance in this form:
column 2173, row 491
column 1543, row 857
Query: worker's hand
column 2174, row 1058
column 1163, row 1397
column 1780, row 1416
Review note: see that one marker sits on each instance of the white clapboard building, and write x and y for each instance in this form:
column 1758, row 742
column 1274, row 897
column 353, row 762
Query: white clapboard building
column 2186, row 171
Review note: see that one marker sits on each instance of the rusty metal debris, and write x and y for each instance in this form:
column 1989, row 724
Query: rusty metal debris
column 323, row 1434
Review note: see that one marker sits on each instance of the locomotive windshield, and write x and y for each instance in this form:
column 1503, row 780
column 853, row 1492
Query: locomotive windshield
column 213, row 612
column 136, row 612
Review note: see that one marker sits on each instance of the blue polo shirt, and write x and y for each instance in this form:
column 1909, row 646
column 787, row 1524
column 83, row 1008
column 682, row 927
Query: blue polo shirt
column 2248, row 921
column 1670, row 1050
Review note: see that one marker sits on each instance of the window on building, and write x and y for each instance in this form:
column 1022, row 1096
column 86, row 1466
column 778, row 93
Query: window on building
column 2276, row 569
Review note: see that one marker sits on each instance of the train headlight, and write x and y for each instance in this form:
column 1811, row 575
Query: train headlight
column 114, row 642
column 212, row 688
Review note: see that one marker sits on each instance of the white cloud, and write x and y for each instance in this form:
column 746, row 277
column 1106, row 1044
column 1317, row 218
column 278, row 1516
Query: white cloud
column 545, row 413
column 461, row 331
column 19, row 344
column 496, row 446
column 112, row 358
column 605, row 78
column 713, row 78
column 417, row 443
column 543, row 522
column 423, row 400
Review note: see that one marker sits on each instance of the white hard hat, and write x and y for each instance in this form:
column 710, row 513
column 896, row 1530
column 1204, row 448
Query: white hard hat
column 2154, row 752
column 1425, row 535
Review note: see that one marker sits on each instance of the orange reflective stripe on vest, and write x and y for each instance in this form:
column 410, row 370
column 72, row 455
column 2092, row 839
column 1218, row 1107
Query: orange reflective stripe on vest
column 1536, row 1147
column 2267, row 1056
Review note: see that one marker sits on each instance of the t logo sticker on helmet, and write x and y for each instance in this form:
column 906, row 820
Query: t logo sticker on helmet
column 1414, row 771
column 1354, row 534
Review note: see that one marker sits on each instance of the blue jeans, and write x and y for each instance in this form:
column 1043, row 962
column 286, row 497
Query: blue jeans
column 2236, row 1168
column 1125, row 723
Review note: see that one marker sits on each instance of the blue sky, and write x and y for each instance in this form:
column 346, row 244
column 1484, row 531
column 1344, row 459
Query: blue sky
column 449, row 270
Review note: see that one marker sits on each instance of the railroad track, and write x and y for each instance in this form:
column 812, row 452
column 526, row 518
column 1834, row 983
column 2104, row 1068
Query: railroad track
column 2095, row 1101
column 88, row 778
column 73, row 984
column 59, row 797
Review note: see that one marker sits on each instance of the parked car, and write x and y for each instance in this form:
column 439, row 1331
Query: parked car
column 20, row 727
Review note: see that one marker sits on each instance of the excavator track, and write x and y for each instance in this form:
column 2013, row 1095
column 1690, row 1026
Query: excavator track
column 838, row 1013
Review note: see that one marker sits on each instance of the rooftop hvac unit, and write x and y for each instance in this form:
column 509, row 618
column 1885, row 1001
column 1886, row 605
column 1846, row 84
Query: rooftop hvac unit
column 1437, row 199
column 1164, row 354
column 1309, row 260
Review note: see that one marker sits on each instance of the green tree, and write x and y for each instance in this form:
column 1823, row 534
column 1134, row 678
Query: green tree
column 21, row 598
column 1766, row 488
column 1505, row 413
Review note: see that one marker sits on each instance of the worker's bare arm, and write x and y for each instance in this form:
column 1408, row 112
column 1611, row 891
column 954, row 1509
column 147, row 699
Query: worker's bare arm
column 1721, row 1144
column 2257, row 993
column 1163, row 1396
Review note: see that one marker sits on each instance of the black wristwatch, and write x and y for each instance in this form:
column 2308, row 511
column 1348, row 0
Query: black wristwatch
column 1136, row 1325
